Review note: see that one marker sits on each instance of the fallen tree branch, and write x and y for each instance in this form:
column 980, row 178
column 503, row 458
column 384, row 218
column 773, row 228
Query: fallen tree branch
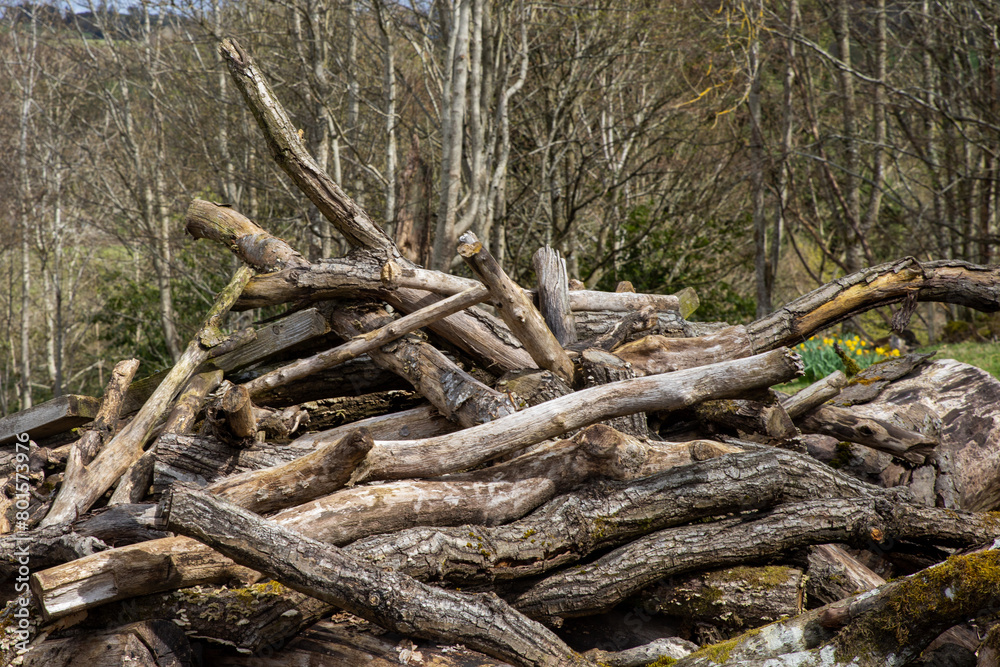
column 392, row 600
column 433, row 457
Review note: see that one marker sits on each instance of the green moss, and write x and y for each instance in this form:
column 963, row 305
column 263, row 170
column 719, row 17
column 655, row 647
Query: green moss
column 843, row 455
column 767, row 577
column 719, row 653
column 663, row 661
column 955, row 588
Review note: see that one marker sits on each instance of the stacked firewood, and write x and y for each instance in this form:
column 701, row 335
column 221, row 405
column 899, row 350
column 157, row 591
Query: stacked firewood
column 411, row 467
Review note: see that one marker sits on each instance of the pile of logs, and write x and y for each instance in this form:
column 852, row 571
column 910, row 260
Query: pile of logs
column 410, row 467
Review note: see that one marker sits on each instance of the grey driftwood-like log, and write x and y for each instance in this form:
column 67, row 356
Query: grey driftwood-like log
column 762, row 416
column 103, row 426
column 665, row 392
column 322, row 471
column 239, row 412
column 553, row 294
column 597, row 368
column 642, row 506
column 620, row 573
column 574, row 525
column 947, row 281
column 814, row 395
column 394, row 601
column 487, row 497
column 79, row 493
column 516, row 309
column 876, row 433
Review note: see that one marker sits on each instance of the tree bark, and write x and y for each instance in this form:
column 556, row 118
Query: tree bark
column 553, row 294
column 670, row 391
column 516, row 310
column 394, row 601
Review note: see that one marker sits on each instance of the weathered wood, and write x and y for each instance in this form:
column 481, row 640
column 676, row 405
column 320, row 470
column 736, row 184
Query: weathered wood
column 49, row 418
column 670, row 648
column 155, row 643
column 598, row 368
column 814, row 395
column 620, row 573
column 486, row 497
column 959, row 406
column 79, row 493
column 366, row 342
column 357, row 377
column 104, row 423
column 256, row 619
column 516, row 309
column 348, row 641
column 531, row 387
column 617, row 330
column 880, row 628
column 553, row 294
column 738, row 598
column 574, row 525
column 876, row 433
column 268, row 340
column 239, row 411
column 90, row 534
column 322, row 471
column 455, row 393
column 129, row 571
column 762, row 416
column 670, row 391
column 420, row 422
column 834, row 574
column 658, row 354
column 394, row 601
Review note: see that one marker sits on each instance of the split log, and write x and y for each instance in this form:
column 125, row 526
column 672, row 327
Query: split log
column 394, row 601
column 516, row 310
column 553, row 294
column 130, row 571
column 91, row 533
column 610, row 579
column 49, row 418
column 814, row 395
column 530, row 387
column 670, row 391
column 269, row 340
column 834, row 574
column 887, row 627
column 415, row 423
column 156, row 643
column 79, row 492
column 738, row 598
column 869, row 382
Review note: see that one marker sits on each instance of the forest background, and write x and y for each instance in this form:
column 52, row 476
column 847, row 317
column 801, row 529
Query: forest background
column 751, row 150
